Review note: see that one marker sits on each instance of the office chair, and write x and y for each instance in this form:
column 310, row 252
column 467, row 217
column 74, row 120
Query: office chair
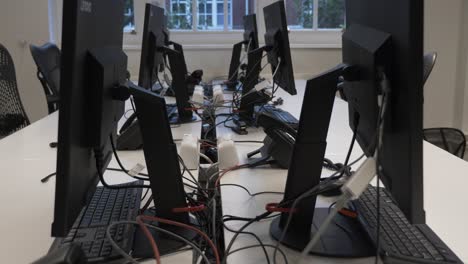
column 47, row 58
column 429, row 61
column 12, row 114
column 449, row 139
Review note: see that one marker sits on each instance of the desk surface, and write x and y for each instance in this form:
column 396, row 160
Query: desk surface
column 26, row 158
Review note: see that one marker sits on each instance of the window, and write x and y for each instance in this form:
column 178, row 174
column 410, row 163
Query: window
column 179, row 14
column 315, row 14
column 129, row 16
column 331, row 14
column 210, row 14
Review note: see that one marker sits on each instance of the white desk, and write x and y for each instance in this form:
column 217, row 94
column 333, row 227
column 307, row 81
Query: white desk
column 445, row 178
column 27, row 205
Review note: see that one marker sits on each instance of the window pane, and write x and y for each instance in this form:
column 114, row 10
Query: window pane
column 237, row 9
column 129, row 16
column 201, row 8
column 220, row 20
column 179, row 14
column 211, row 17
column 300, row 13
column 331, row 13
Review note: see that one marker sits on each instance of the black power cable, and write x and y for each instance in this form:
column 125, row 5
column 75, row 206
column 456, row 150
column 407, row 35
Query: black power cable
column 114, row 150
column 99, row 158
column 47, row 178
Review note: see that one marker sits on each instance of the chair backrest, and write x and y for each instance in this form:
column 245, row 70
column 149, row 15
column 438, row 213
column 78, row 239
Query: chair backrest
column 12, row 114
column 449, row 139
column 47, row 58
column 429, row 61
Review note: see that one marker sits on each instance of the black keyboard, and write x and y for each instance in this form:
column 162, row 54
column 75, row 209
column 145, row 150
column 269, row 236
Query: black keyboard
column 279, row 114
column 105, row 207
column 400, row 241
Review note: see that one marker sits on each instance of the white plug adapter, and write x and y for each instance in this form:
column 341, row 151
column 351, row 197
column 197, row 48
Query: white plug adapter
column 218, row 95
column 199, row 88
column 189, row 149
column 358, row 182
column 198, row 95
column 227, row 153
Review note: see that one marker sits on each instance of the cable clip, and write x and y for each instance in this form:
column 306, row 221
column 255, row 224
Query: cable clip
column 273, row 208
column 348, row 213
column 189, row 209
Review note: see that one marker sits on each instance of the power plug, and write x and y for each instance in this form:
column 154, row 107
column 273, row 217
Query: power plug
column 358, row 182
column 198, row 95
column 218, row 95
column 189, row 151
column 227, row 153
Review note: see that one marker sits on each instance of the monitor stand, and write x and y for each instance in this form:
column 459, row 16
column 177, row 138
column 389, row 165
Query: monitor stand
column 344, row 238
column 166, row 244
column 249, row 99
column 164, row 172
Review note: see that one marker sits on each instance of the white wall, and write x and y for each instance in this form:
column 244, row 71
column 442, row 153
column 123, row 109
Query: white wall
column 23, row 22
column 442, row 34
column 462, row 87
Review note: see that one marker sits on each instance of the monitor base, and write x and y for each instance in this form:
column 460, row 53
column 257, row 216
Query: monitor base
column 166, row 244
column 344, row 238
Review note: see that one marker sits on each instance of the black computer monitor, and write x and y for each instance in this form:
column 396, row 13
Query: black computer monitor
column 279, row 56
column 154, row 50
column 153, row 39
column 250, row 43
column 250, row 32
column 400, row 59
column 166, row 32
column 92, row 64
column 383, row 38
column 92, row 102
column 277, row 41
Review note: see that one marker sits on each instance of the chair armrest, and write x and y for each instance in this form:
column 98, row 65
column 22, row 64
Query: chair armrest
column 53, row 99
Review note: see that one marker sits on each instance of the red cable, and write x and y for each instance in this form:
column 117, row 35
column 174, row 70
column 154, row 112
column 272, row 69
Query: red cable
column 150, row 237
column 174, row 223
column 348, row 213
column 273, row 208
column 224, row 172
column 189, row 209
